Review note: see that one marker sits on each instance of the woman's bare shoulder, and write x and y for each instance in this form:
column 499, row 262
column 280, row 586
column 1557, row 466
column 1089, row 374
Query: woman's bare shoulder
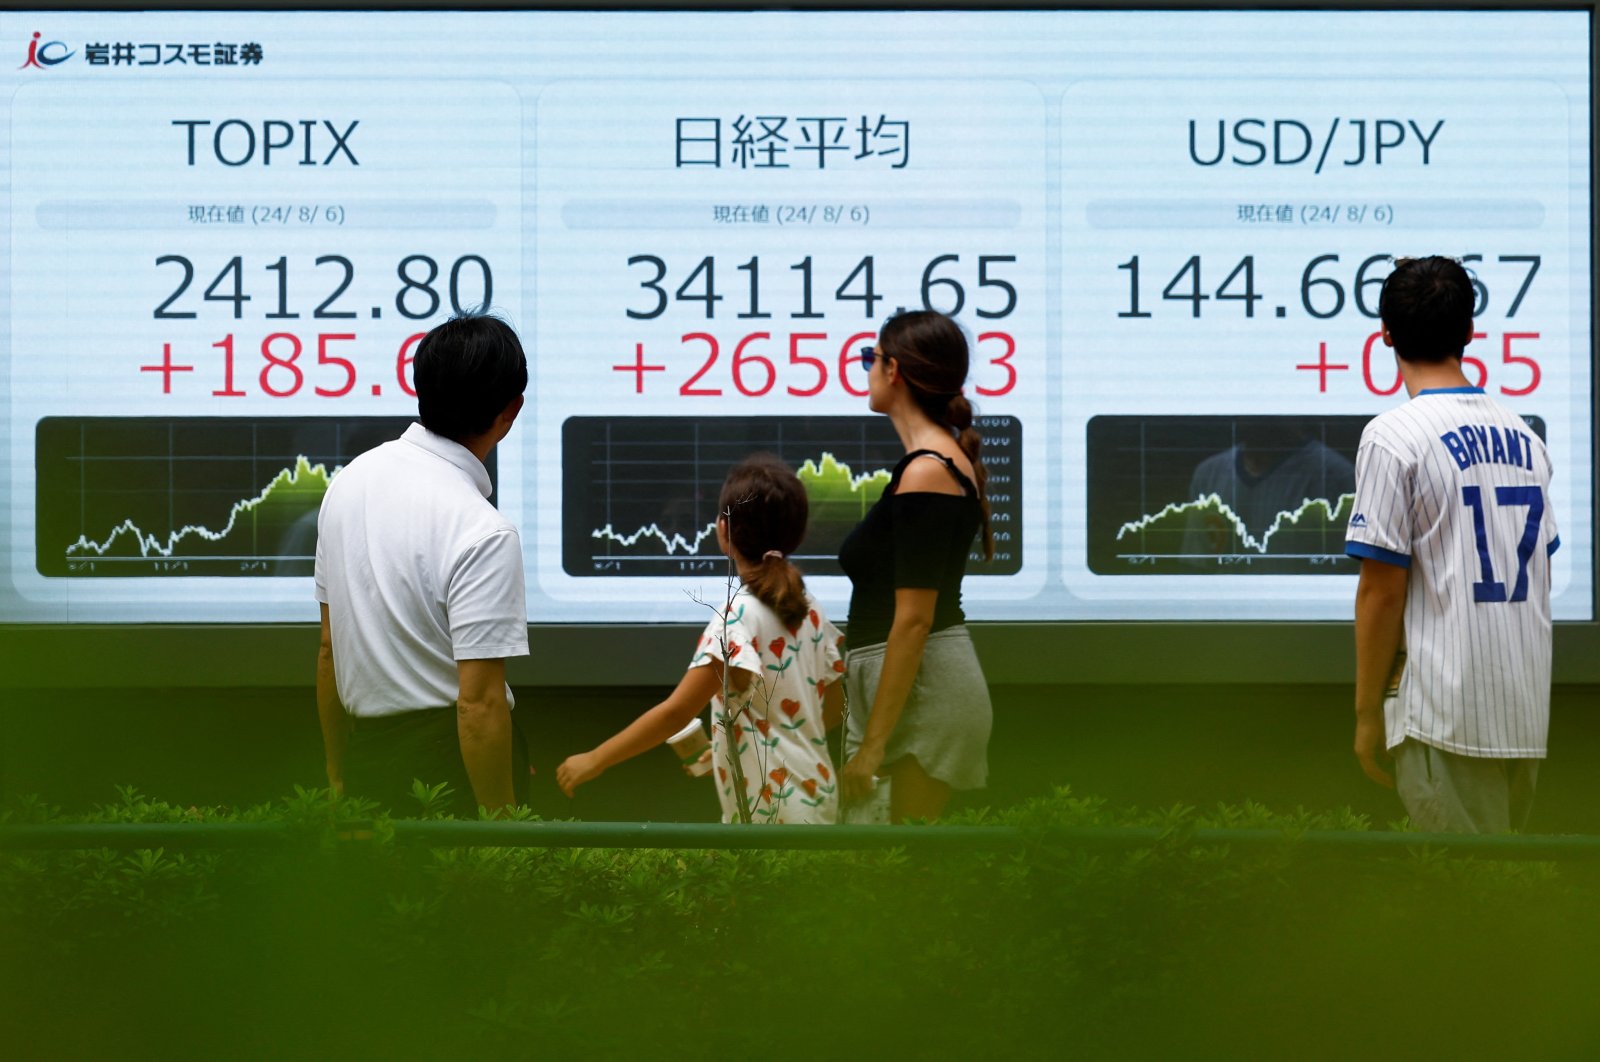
column 928, row 474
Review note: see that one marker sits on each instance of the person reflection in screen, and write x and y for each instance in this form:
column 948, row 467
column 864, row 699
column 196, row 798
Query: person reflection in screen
column 1274, row 467
column 298, row 540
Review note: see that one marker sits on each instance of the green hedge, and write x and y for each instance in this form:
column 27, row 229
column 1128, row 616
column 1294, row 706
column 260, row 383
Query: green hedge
column 355, row 951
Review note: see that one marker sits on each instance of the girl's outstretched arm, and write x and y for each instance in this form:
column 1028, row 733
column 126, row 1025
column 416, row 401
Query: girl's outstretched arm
column 694, row 692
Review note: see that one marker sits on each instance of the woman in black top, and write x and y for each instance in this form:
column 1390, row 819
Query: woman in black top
column 919, row 708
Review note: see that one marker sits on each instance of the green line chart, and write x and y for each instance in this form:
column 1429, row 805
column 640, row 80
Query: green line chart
column 640, row 493
column 172, row 497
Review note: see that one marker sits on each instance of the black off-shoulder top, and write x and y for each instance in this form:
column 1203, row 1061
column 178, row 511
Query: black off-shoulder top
column 917, row 540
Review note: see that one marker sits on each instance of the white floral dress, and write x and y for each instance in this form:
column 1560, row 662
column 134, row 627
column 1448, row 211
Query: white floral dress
column 777, row 719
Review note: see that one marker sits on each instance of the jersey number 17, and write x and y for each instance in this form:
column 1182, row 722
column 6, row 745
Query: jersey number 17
column 1489, row 589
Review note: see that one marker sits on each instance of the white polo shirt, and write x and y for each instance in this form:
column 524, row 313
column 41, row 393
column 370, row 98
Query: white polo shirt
column 418, row 571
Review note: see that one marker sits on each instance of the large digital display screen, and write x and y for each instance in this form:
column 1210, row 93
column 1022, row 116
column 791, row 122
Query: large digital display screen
column 1163, row 232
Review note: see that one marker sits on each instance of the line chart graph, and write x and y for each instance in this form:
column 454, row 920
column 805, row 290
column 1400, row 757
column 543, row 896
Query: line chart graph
column 299, row 489
column 671, row 542
column 640, row 493
column 1327, row 513
column 153, row 496
column 1206, row 495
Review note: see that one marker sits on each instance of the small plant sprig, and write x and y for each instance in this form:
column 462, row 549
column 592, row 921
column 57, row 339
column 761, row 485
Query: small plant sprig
column 729, row 716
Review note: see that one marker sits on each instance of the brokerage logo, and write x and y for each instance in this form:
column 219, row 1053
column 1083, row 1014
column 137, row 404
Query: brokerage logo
column 47, row 54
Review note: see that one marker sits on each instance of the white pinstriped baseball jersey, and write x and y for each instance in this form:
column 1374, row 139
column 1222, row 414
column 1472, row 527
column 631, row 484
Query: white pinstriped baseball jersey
column 1456, row 487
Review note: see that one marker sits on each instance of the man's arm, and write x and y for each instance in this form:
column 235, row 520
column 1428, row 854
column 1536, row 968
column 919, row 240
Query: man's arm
column 1380, row 618
column 483, row 722
column 335, row 720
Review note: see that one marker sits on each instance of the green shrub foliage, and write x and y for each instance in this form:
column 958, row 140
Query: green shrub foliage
column 358, row 949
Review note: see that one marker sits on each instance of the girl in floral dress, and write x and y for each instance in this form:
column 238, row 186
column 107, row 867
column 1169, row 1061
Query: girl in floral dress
column 769, row 662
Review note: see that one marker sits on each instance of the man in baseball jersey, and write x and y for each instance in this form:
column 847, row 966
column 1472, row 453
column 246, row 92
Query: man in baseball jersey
column 420, row 580
column 1454, row 529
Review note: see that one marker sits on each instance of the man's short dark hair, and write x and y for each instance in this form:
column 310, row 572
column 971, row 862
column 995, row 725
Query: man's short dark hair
column 466, row 372
column 1427, row 306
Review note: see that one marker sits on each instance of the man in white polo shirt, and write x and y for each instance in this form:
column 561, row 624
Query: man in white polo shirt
column 1454, row 529
column 421, row 585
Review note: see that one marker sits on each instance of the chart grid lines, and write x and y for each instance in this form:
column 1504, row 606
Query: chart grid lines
column 187, row 496
column 1208, row 495
column 640, row 494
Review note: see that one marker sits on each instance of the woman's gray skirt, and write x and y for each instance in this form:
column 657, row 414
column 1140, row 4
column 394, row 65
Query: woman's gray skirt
column 947, row 717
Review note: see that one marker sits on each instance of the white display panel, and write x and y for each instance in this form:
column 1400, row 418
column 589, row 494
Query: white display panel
column 1250, row 288
column 1164, row 233
column 738, row 276
column 199, row 341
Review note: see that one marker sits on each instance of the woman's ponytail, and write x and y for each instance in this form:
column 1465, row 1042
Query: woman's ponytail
column 958, row 415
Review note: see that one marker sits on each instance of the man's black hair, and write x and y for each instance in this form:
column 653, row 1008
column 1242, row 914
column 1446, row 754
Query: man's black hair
column 466, row 372
column 1427, row 306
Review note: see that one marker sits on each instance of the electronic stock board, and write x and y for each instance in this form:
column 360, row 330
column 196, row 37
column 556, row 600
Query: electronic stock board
column 1164, row 233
